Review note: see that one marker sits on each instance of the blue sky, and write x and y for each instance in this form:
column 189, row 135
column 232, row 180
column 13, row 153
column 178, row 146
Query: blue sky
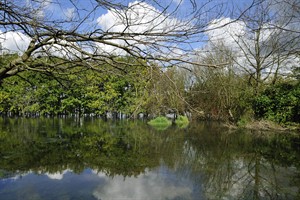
column 69, row 10
column 65, row 8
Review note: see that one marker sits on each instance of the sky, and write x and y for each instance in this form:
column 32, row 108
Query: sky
column 13, row 41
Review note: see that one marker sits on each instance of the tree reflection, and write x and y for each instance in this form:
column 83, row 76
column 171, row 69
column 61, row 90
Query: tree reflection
column 53, row 147
column 239, row 165
column 221, row 164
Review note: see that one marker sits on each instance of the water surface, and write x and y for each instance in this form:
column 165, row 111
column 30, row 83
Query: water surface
column 92, row 159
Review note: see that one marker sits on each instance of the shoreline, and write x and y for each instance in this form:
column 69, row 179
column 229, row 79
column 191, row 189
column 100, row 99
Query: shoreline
column 265, row 125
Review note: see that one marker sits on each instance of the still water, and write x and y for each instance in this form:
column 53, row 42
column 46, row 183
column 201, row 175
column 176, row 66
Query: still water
column 92, row 159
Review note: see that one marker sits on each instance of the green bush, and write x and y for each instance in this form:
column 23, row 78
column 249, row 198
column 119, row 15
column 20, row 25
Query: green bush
column 182, row 121
column 160, row 123
column 279, row 103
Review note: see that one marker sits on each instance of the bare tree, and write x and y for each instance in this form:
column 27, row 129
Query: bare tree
column 288, row 20
column 52, row 36
column 262, row 47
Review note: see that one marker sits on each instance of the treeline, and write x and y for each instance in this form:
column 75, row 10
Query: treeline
column 128, row 90
column 138, row 88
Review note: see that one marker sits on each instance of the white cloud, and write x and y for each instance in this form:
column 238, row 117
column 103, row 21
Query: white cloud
column 148, row 23
column 46, row 4
column 57, row 175
column 61, row 48
column 234, row 33
column 17, row 42
column 145, row 186
column 111, row 22
column 140, row 17
column 227, row 31
column 14, row 42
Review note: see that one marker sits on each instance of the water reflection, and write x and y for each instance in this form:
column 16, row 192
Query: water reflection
column 157, row 184
column 57, row 175
column 92, row 159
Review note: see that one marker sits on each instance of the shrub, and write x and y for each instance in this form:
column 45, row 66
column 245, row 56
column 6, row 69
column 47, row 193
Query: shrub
column 160, row 123
column 182, row 121
column 279, row 103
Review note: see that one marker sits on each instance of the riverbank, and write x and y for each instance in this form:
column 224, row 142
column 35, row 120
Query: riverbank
column 265, row 125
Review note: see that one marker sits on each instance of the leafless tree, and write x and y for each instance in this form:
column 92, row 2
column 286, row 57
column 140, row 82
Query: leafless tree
column 269, row 43
column 288, row 20
column 53, row 36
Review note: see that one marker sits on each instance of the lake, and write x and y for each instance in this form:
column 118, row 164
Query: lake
column 92, row 159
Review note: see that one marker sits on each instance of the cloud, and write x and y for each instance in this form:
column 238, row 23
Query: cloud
column 226, row 31
column 14, row 42
column 57, row 175
column 139, row 17
column 62, row 49
column 234, row 33
column 145, row 186
column 149, row 25
column 17, row 42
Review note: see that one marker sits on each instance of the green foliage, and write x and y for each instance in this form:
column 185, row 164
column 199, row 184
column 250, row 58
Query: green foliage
column 280, row 103
column 160, row 123
column 78, row 92
column 182, row 121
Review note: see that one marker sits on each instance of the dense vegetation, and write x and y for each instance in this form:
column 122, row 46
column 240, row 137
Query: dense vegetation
column 218, row 94
column 280, row 103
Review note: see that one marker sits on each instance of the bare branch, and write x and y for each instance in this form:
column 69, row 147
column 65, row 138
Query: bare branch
column 100, row 31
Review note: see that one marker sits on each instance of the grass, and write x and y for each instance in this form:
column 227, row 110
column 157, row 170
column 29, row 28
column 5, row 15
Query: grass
column 160, row 123
column 182, row 121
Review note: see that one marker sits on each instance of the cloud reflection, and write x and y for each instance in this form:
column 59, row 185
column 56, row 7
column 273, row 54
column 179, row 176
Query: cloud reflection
column 145, row 186
column 57, row 175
